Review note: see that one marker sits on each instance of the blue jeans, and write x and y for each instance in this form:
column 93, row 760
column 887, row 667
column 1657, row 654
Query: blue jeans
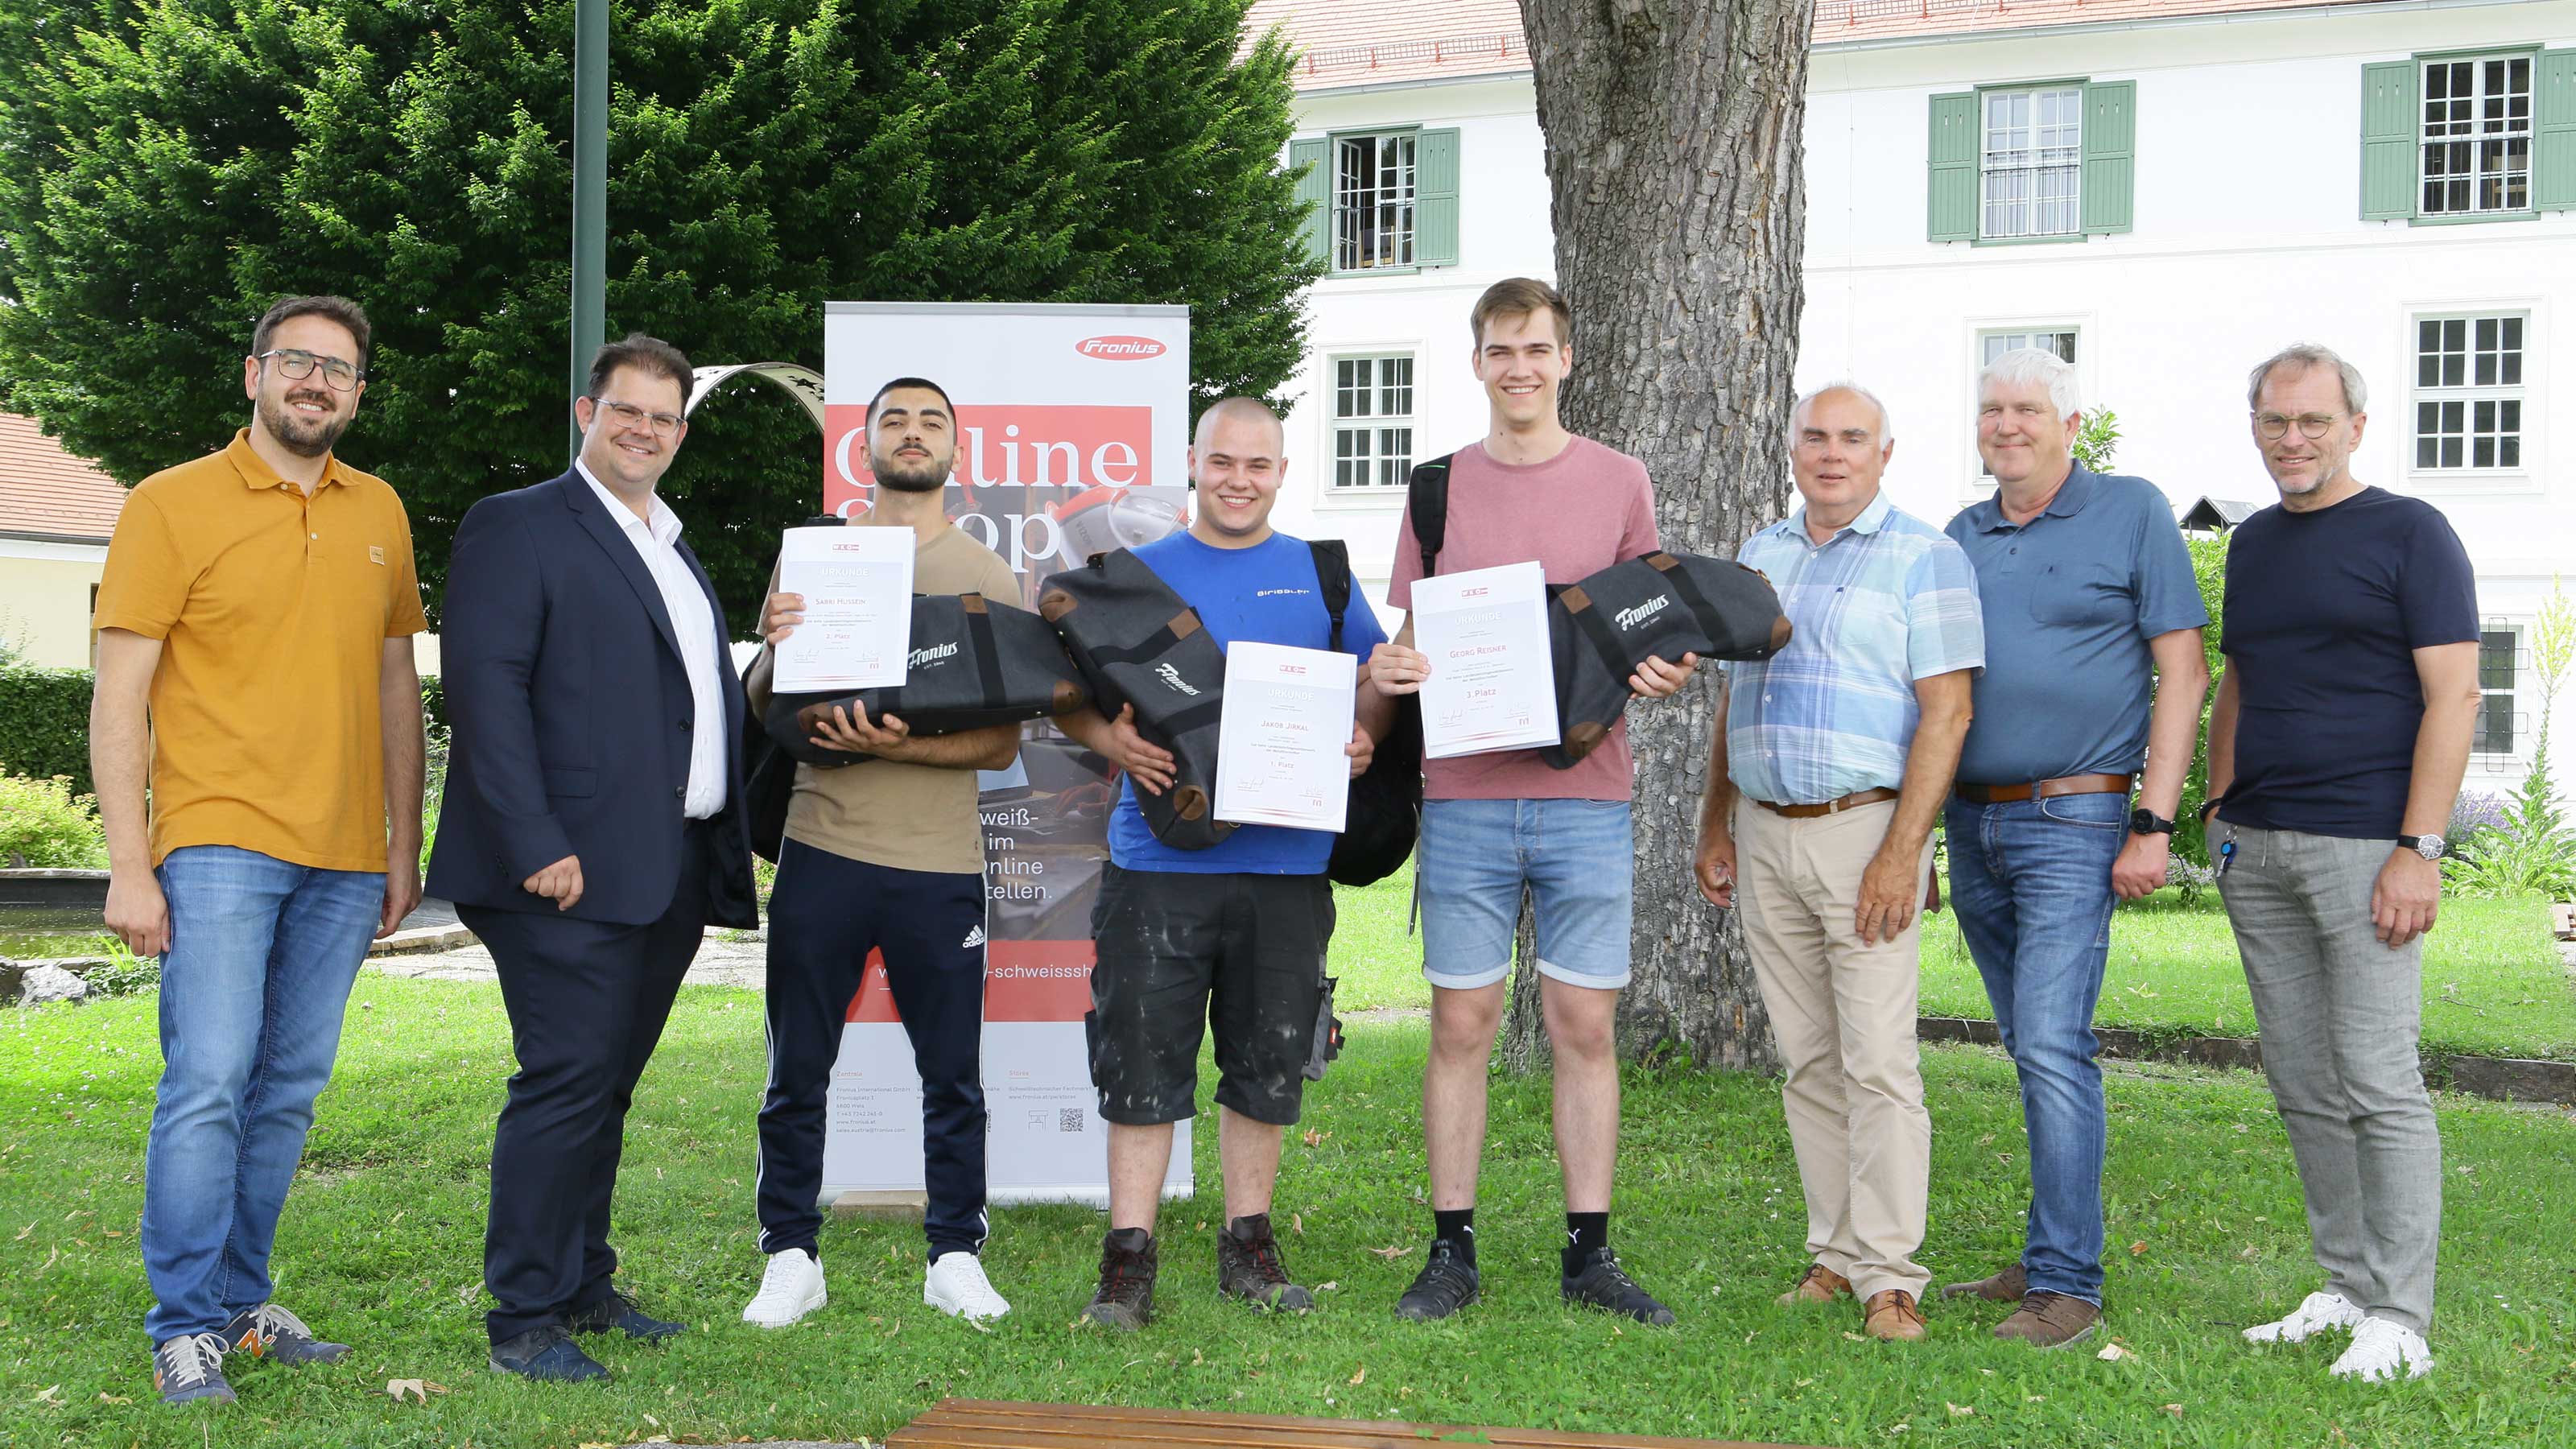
column 262, row 954
column 1575, row 857
column 2031, row 882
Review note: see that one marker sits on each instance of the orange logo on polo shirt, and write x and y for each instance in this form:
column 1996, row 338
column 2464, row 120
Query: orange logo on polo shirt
column 376, row 553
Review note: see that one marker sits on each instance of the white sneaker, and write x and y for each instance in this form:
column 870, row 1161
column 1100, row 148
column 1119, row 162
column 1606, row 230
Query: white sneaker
column 2315, row 1314
column 2381, row 1350
column 790, row 1287
column 956, row 1286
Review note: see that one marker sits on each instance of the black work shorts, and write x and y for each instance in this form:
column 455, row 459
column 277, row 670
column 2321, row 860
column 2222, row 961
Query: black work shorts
column 1178, row 951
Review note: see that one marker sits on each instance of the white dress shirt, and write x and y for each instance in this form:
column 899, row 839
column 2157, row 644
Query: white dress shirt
column 693, row 622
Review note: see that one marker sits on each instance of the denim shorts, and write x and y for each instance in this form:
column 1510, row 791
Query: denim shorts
column 1577, row 858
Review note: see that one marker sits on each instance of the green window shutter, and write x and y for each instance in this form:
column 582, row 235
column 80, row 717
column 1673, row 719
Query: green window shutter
column 2110, row 156
column 2392, row 128
column 2553, row 146
column 1315, row 185
column 1435, row 198
column 1952, row 154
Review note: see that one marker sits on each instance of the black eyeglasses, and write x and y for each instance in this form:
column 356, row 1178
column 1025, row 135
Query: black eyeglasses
column 296, row 363
column 2311, row 425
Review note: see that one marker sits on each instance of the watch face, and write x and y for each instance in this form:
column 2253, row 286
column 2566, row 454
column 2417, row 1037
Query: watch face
column 2429, row 846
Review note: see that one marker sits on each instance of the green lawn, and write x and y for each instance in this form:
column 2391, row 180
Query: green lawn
column 381, row 1245
column 2493, row 982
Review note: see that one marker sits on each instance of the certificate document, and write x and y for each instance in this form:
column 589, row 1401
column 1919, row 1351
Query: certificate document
column 857, row 633
column 1280, row 738
column 1493, row 680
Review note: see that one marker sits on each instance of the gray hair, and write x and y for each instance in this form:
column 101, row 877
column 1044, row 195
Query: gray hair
column 2025, row 365
column 1886, row 424
column 1241, row 408
column 2299, row 357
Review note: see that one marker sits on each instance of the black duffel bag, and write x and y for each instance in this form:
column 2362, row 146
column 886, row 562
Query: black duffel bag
column 975, row 662
column 1137, row 643
column 1663, row 605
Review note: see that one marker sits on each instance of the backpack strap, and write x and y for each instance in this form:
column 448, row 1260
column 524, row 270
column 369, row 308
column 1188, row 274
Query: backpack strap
column 1426, row 506
column 1333, row 577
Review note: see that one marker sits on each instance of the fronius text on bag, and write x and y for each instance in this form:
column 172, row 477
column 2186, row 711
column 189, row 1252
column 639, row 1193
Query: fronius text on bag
column 1659, row 605
column 1137, row 643
column 976, row 662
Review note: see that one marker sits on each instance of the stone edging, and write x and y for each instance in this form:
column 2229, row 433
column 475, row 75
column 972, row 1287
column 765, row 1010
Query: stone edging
column 2504, row 1079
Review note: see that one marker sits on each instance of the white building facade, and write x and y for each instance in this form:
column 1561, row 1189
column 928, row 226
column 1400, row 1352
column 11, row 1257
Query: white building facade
column 2163, row 191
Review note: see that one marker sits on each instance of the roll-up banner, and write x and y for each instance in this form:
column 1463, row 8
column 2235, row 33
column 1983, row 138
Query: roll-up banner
column 1072, row 424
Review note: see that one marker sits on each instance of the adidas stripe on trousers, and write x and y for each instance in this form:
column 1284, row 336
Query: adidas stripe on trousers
column 826, row 914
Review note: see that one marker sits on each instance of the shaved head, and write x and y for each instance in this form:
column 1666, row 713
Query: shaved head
column 1241, row 410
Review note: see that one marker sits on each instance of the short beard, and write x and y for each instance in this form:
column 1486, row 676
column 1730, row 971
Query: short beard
column 304, row 440
column 923, row 477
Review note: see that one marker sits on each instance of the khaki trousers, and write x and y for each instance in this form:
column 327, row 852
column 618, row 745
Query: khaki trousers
column 1843, row 1014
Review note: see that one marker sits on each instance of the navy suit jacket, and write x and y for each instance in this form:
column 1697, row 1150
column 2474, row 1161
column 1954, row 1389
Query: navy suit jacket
column 570, row 718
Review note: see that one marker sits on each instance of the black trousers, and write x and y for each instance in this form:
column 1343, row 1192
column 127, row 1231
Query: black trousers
column 825, row 915
column 587, row 1002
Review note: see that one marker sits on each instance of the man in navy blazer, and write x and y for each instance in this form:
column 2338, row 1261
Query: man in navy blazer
column 591, row 829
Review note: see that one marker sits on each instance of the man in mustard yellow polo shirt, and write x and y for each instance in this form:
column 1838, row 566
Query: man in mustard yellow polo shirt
column 255, row 667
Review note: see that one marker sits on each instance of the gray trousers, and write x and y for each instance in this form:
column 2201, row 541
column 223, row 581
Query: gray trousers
column 2340, row 1016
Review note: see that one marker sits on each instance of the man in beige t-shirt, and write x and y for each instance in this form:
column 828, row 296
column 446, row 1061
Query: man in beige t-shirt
column 884, row 854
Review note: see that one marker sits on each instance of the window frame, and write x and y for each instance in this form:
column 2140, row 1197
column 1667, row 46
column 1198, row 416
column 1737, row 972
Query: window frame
column 1333, row 143
column 2527, row 477
column 2423, row 62
column 2033, row 88
column 2512, row 756
column 1329, row 491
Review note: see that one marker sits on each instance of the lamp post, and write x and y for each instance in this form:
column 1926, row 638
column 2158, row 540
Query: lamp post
column 589, row 192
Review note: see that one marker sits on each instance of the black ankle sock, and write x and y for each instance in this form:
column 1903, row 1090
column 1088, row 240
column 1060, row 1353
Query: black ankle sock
column 1584, row 1232
column 1456, row 1226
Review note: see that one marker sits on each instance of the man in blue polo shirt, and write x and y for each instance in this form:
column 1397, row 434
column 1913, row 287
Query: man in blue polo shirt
column 2091, row 611
column 1233, row 935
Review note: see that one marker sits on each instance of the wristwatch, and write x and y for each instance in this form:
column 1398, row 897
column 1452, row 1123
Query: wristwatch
column 2428, row 846
column 2143, row 821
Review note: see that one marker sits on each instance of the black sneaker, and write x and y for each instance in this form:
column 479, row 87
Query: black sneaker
column 269, row 1331
column 618, row 1312
column 547, row 1355
column 1125, row 1300
column 190, row 1366
column 1446, row 1284
column 1248, row 1267
column 1603, row 1284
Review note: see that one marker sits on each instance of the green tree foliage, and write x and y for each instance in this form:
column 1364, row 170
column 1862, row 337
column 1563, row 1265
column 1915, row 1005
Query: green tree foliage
column 174, row 167
column 42, row 823
column 2209, row 570
column 2096, row 439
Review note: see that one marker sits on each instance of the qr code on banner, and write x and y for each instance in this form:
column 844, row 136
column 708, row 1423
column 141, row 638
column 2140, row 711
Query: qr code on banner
column 1068, row 1119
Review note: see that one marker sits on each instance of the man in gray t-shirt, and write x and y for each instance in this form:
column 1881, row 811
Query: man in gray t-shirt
column 2089, row 598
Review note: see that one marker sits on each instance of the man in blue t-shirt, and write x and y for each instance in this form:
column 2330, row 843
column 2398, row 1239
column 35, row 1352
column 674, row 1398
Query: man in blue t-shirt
column 1234, row 934
column 2336, row 746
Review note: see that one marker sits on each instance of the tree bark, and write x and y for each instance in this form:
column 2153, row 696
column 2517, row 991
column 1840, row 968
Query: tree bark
column 1676, row 179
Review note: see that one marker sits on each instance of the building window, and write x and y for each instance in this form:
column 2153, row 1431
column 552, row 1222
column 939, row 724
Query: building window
column 2497, row 653
column 1373, row 421
column 2469, row 392
column 2033, row 162
column 1373, row 201
column 2477, row 135
column 1991, row 345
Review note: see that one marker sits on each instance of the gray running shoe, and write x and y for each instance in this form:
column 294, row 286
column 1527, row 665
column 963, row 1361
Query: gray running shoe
column 269, row 1331
column 190, row 1367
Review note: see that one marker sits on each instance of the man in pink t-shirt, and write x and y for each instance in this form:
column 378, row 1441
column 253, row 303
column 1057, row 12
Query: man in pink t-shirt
column 1498, row 823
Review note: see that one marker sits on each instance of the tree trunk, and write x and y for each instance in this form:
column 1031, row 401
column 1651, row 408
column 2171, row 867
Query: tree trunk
column 1676, row 175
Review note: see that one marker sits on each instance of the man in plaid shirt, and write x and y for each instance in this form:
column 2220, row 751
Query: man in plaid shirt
column 1828, row 764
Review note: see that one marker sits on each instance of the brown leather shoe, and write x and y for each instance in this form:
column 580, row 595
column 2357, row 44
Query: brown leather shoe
column 2050, row 1320
column 1890, row 1314
column 1820, row 1285
column 2009, row 1286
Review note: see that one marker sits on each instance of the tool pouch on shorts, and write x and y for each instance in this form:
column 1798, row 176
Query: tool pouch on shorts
column 1328, row 1032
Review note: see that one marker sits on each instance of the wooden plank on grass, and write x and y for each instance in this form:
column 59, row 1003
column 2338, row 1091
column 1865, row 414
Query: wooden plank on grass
column 992, row 1424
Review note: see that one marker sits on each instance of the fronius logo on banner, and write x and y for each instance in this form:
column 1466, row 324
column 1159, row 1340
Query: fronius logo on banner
column 1072, row 423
